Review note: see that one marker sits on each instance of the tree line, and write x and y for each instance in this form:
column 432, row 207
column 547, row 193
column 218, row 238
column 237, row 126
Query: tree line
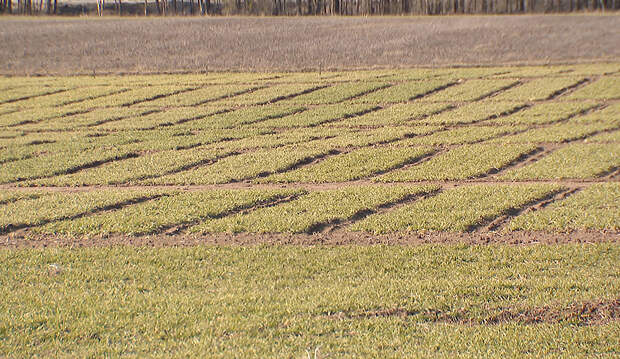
column 308, row 7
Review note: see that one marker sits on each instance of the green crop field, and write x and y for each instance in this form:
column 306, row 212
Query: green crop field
column 388, row 213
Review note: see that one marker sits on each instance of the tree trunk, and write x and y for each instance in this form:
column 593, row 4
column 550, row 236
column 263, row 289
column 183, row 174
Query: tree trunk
column 145, row 8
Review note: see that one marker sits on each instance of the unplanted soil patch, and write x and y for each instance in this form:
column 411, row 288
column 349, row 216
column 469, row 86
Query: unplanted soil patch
column 594, row 312
column 26, row 239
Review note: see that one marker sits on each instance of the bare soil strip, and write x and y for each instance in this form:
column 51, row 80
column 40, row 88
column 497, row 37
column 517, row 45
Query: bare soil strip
column 587, row 313
column 337, row 237
column 445, row 184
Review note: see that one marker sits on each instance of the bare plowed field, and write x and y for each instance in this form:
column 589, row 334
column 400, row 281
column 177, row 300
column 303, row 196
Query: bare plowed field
column 482, row 155
column 114, row 45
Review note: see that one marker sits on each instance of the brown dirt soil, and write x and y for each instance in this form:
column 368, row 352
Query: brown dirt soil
column 153, row 45
column 594, row 312
column 23, row 239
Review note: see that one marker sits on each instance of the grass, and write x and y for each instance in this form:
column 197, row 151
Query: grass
column 244, row 166
column 471, row 113
column 173, row 209
column 593, row 208
column 351, row 166
column 606, row 88
column 538, row 89
column 24, row 139
column 133, row 96
column 52, row 207
column 256, row 173
column 214, row 301
column 374, row 136
column 537, row 71
column 579, row 160
column 609, row 114
column 398, row 114
column 166, row 117
column 199, row 96
column 269, row 94
column 612, row 136
column 463, row 162
column 167, row 138
column 15, row 94
column 544, row 113
column 271, row 140
column 403, row 92
column 456, row 210
column 55, row 164
column 70, row 96
column 32, row 115
column 12, row 196
column 336, row 93
column 86, row 119
column 15, row 151
column 240, row 117
column 311, row 211
column 557, row 133
column 316, row 116
column 470, row 90
column 594, row 69
column 135, row 169
column 459, row 135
